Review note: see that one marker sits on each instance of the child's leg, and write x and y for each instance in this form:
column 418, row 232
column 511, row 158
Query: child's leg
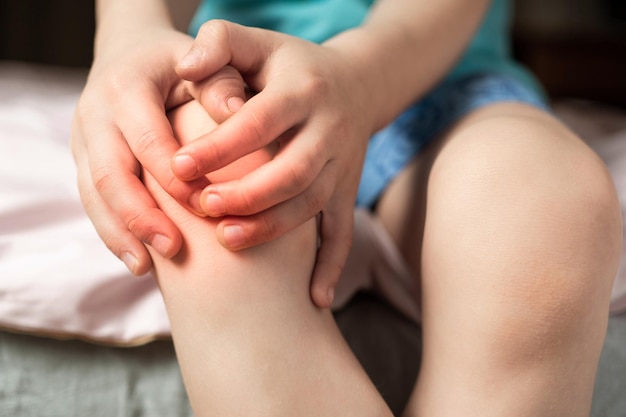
column 521, row 238
column 249, row 340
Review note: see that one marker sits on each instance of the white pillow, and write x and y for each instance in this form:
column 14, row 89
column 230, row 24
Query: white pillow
column 56, row 276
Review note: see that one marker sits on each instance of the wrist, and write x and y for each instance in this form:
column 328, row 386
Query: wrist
column 122, row 21
column 374, row 74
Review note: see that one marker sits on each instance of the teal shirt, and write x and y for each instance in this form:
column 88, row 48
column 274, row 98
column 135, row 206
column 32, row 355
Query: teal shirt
column 318, row 20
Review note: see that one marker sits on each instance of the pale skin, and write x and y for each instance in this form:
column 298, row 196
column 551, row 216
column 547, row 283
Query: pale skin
column 510, row 222
column 248, row 337
column 514, row 311
column 318, row 91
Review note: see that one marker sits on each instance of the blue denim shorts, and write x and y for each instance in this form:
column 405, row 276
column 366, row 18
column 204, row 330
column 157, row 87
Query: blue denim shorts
column 393, row 147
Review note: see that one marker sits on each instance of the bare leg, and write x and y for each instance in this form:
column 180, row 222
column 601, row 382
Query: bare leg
column 518, row 233
column 248, row 338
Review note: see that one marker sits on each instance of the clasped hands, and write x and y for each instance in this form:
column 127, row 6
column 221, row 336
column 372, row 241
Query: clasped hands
column 308, row 99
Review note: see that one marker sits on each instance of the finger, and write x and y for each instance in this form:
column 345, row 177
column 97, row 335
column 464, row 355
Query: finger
column 261, row 120
column 149, row 135
column 336, row 240
column 221, row 94
column 237, row 233
column 221, row 43
column 113, row 232
column 114, row 176
column 292, row 170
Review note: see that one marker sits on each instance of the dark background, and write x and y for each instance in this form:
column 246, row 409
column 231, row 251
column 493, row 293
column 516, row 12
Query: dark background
column 577, row 48
column 56, row 32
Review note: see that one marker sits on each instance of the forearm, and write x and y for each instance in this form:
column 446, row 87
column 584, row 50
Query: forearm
column 405, row 46
column 115, row 18
column 123, row 18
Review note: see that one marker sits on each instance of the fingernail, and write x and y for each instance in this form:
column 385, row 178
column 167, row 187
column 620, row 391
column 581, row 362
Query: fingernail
column 233, row 236
column 234, row 103
column 130, row 261
column 191, row 59
column 214, row 205
column 184, row 166
column 161, row 244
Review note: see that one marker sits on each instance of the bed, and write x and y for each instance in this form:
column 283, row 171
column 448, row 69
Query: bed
column 88, row 367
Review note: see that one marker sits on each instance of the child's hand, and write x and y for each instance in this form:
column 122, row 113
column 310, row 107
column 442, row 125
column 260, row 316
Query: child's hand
column 120, row 123
column 311, row 101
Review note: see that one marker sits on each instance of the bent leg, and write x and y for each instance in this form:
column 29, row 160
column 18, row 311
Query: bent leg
column 521, row 238
column 248, row 337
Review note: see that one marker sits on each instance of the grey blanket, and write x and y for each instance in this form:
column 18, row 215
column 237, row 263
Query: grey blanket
column 49, row 378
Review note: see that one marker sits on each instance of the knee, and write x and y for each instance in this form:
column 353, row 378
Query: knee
column 529, row 196
column 216, row 274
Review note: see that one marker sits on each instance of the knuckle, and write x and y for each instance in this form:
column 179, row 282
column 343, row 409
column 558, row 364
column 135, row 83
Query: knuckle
column 146, row 140
column 315, row 84
column 317, row 191
column 246, row 202
column 118, row 83
column 172, row 187
column 269, row 228
column 88, row 197
column 134, row 223
column 313, row 201
column 256, row 126
column 297, row 176
column 103, row 178
column 211, row 151
column 301, row 174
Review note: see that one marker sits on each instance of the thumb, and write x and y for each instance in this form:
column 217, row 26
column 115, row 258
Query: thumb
column 221, row 94
column 336, row 240
column 220, row 43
